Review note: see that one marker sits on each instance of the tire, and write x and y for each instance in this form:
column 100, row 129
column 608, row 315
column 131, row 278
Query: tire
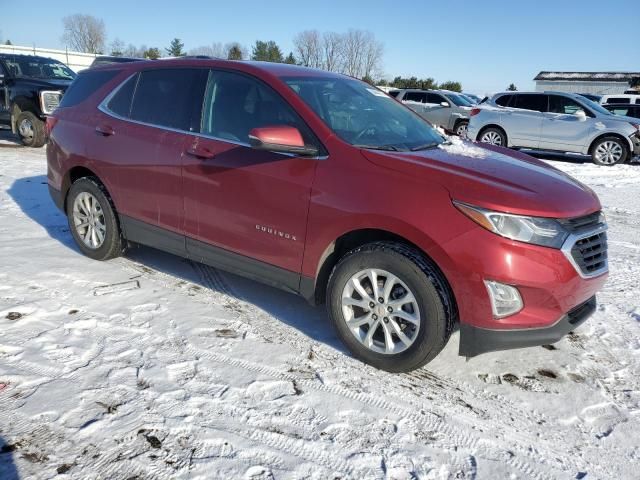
column 31, row 130
column 493, row 136
column 461, row 128
column 433, row 307
column 104, row 217
column 609, row 151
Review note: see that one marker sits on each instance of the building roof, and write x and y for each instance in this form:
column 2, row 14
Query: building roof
column 588, row 76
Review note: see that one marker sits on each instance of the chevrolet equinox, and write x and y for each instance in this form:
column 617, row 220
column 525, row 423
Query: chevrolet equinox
column 321, row 185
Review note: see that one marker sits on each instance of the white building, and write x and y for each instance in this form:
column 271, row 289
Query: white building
column 599, row 83
column 76, row 61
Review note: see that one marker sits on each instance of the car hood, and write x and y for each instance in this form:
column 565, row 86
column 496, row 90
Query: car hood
column 47, row 84
column 494, row 178
column 621, row 118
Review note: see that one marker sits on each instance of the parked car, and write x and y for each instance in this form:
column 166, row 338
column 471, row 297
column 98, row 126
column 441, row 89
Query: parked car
column 474, row 99
column 30, row 89
column 624, row 109
column 592, row 97
column 107, row 59
column 321, row 185
column 555, row 121
column 442, row 108
column 621, row 98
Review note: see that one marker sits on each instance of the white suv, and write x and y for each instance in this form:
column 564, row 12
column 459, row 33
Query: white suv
column 562, row 122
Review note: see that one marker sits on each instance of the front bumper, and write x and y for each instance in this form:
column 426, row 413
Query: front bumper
column 635, row 141
column 475, row 341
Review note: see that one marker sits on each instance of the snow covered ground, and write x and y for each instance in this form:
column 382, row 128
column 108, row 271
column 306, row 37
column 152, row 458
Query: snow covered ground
column 152, row 366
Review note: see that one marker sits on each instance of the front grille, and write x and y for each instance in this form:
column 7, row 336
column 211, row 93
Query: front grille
column 590, row 253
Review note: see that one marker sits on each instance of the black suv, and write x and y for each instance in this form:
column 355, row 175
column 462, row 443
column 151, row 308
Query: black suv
column 30, row 89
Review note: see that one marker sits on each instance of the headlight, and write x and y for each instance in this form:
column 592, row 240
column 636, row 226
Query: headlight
column 49, row 101
column 537, row 230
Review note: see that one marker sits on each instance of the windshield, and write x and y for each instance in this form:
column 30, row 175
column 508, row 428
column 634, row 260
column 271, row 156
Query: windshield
column 42, row 68
column 595, row 106
column 459, row 100
column 363, row 115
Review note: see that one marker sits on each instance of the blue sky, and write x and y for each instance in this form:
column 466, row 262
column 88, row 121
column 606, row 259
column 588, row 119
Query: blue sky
column 485, row 45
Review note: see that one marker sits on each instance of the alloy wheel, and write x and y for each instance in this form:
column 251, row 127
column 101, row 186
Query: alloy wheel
column 88, row 220
column 461, row 131
column 609, row 152
column 381, row 311
column 491, row 137
column 26, row 130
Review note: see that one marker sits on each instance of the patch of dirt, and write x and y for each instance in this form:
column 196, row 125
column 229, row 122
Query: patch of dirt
column 547, row 373
column 13, row 315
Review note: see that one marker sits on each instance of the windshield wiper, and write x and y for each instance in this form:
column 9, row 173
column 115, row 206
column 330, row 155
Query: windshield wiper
column 426, row 146
column 388, row 148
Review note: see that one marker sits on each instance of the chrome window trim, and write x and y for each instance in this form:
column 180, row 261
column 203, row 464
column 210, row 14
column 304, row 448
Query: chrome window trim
column 102, row 106
column 571, row 240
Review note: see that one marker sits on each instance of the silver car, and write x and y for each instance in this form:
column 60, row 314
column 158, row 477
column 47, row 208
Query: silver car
column 563, row 122
column 443, row 108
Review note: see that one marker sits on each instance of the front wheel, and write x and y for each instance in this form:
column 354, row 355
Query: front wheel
column 31, row 130
column 609, row 151
column 390, row 306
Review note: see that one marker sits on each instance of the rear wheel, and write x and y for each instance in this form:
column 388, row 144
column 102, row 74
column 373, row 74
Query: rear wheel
column 30, row 129
column 92, row 220
column 461, row 128
column 493, row 136
column 609, row 151
column 390, row 306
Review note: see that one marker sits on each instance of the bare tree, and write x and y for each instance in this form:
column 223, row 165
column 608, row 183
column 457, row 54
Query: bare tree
column 308, row 48
column 117, row 48
column 218, row 50
column 372, row 57
column 333, row 51
column 84, row 33
column 353, row 49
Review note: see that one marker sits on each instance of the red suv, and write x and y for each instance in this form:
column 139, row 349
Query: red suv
column 319, row 184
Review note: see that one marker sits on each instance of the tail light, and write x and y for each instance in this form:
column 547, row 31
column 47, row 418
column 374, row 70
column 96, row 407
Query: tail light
column 475, row 111
column 49, row 124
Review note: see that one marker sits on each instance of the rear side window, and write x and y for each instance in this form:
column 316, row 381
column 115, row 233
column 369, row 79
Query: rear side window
column 503, row 101
column 618, row 100
column 620, row 111
column 169, row 97
column 530, row 101
column 420, row 97
column 120, row 103
column 84, row 85
column 394, row 93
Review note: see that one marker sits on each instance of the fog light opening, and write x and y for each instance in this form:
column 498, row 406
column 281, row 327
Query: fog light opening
column 505, row 299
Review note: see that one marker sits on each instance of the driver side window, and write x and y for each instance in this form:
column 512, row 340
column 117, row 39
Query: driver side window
column 564, row 105
column 235, row 104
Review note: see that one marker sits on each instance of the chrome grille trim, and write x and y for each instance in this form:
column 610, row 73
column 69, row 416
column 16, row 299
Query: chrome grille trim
column 596, row 246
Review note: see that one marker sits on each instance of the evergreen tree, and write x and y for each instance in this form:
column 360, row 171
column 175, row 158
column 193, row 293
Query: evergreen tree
column 290, row 59
column 235, row 53
column 453, row 86
column 152, row 53
column 267, row 52
column 512, row 88
column 8, row 42
column 175, row 48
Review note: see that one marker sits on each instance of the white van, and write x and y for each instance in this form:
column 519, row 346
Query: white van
column 621, row 98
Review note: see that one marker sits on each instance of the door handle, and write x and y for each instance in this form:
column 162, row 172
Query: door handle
column 104, row 130
column 200, row 152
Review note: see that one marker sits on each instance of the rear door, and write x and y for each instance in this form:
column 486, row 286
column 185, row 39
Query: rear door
column 523, row 119
column 242, row 204
column 562, row 129
column 140, row 138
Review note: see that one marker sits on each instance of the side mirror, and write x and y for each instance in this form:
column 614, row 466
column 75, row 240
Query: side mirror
column 281, row 139
column 581, row 114
column 445, row 104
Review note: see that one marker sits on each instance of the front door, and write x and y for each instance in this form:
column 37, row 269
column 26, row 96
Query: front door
column 562, row 129
column 4, row 104
column 250, row 204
